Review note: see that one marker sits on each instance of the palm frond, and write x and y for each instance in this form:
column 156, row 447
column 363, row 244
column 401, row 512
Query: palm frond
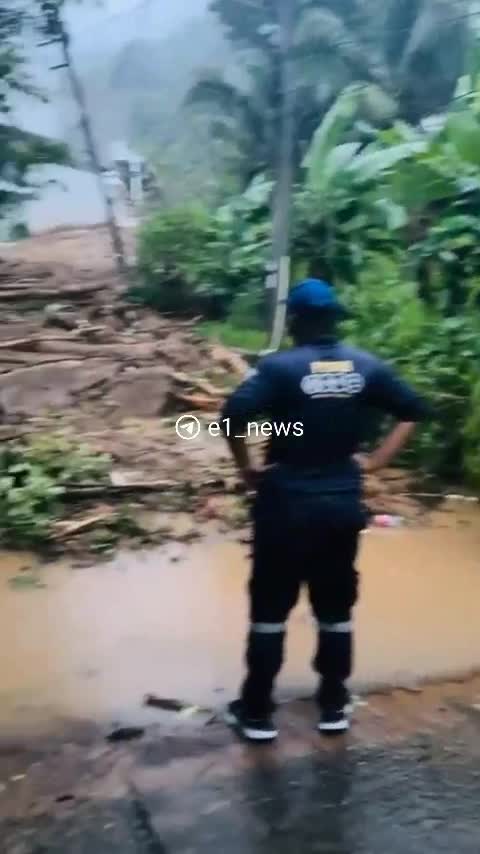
column 433, row 58
column 214, row 93
column 248, row 22
column 402, row 15
column 321, row 31
column 330, row 134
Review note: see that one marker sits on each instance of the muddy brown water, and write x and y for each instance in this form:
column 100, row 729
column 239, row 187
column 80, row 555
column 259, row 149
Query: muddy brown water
column 90, row 643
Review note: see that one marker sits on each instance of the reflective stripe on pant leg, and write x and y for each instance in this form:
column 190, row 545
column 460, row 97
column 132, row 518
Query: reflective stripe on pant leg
column 338, row 628
column 264, row 660
column 267, row 628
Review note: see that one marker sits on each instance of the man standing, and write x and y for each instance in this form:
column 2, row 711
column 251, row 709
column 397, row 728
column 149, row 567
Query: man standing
column 308, row 513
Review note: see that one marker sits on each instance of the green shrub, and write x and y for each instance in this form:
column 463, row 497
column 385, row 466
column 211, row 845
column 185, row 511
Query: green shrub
column 191, row 261
column 66, row 460
column 174, row 260
column 248, row 311
column 439, row 355
column 243, row 339
column 33, row 480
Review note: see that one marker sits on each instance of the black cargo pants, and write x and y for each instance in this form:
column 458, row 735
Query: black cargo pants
column 302, row 537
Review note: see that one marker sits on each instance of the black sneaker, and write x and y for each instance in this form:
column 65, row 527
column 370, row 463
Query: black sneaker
column 253, row 729
column 334, row 719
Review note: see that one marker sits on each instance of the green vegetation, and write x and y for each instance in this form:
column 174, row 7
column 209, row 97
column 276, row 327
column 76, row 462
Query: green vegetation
column 438, row 354
column 34, row 477
column 202, row 102
column 393, row 222
column 226, row 333
column 195, row 260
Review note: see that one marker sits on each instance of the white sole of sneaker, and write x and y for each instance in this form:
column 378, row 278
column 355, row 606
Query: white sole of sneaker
column 259, row 734
column 334, row 726
column 250, row 732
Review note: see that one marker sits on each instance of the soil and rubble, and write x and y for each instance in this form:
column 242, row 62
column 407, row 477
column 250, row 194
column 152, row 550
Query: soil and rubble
column 76, row 356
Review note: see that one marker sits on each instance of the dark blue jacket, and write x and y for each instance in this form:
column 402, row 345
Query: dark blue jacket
column 324, row 395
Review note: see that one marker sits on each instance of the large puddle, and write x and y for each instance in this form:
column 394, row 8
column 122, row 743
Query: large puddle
column 92, row 642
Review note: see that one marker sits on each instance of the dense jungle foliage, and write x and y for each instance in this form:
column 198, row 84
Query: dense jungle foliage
column 386, row 201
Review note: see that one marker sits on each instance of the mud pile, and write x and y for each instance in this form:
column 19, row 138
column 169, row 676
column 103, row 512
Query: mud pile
column 75, row 356
column 67, row 338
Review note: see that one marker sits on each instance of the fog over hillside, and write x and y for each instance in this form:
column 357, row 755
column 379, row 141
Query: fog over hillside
column 106, row 38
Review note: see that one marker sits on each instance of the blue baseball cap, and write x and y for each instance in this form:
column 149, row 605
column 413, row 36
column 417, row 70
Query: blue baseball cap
column 314, row 294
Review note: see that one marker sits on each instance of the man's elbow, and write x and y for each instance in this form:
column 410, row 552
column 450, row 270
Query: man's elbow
column 418, row 411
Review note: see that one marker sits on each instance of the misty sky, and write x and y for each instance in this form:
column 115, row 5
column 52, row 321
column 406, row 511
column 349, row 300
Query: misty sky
column 97, row 30
column 97, row 26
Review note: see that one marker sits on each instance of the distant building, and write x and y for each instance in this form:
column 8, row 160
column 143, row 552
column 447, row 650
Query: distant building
column 131, row 167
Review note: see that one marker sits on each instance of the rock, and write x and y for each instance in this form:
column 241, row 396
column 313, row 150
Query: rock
column 142, row 393
column 39, row 388
column 152, row 521
column 61, row 315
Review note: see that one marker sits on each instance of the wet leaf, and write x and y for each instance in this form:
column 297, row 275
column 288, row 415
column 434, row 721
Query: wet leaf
column 184, row 710
column 164, row 703
column 26, row 580
column 189, row 711
column 127, row 733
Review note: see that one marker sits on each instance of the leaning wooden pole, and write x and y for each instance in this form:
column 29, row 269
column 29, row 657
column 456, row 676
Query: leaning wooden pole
column 61, row 35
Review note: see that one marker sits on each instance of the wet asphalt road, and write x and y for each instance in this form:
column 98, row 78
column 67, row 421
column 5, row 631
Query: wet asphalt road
column 420, row 796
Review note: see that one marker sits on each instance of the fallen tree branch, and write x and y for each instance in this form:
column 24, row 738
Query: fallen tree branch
column 33, row 342
column 70, row 529
column 194, row 382
column 12, row 436
column 93, row 490
column 31, row 294
column 17, row 357
column 73, row 348
column 229, row 359
column 198, row 401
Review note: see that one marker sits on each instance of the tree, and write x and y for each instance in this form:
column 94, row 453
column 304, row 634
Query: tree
column 19, row 151
column 51, row 23
column 408, row 54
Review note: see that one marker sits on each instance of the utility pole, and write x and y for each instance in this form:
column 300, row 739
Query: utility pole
column 54, row 26
column 278, row 283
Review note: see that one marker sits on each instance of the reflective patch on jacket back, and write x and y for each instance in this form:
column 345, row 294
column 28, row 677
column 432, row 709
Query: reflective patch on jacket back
column 343, row 367
column 332, row 383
